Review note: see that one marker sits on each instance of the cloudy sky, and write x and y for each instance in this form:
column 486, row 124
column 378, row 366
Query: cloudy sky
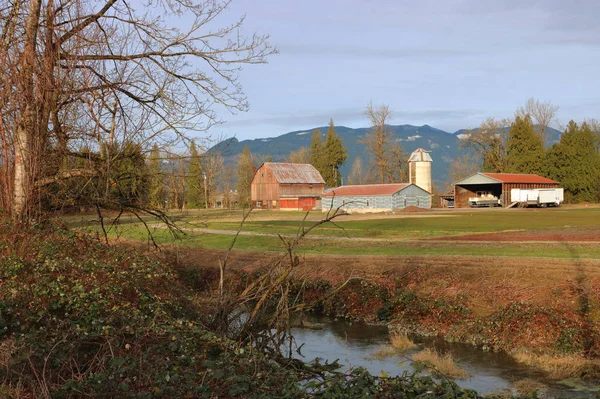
column 446, row 63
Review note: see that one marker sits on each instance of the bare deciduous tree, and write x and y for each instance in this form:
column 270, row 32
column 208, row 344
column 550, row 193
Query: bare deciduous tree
column 594, row 124
column 489, row 141
column 463, row 166
column 301, row 155
column 357, row 172
column 397, row 166
column 543, row 113
column 378, row 140
column 103, row 74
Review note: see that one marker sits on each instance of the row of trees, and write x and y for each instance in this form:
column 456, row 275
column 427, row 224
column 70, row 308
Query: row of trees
column 520, row 146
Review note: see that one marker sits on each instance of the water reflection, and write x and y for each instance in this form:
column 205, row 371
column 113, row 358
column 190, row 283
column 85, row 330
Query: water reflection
column 354, row 344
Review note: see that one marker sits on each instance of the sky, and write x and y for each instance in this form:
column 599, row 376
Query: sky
column 446, row 63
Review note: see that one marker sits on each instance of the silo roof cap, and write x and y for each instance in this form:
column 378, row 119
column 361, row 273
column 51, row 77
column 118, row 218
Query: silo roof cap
column 420, row 155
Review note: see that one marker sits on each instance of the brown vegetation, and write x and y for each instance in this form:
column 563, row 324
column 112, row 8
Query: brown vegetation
column 440, row 364
column 559, row 368
column 399, row 343
column 528, row 387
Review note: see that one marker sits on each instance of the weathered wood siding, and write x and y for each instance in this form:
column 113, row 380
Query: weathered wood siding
column 270, row 194
column 301, row 190
column 264, row 187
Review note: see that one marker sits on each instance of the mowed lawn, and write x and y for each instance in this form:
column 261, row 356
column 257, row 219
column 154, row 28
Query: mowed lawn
column 407, row 234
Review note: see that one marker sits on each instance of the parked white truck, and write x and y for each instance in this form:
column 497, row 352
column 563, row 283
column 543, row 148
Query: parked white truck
column 540, row 197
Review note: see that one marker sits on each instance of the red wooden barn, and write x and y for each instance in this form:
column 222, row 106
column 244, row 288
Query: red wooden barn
column 287, row 186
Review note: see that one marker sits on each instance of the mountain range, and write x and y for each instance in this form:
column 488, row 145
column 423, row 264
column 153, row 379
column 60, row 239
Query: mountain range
column 444, row 146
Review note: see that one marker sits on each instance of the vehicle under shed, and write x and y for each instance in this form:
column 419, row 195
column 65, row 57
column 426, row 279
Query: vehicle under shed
column 499, row 185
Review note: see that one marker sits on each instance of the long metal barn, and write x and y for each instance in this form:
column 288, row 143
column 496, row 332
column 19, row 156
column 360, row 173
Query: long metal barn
column 493, row 189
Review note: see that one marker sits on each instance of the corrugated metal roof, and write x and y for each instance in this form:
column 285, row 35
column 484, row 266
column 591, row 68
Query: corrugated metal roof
column 518, row 178
column 420, row 155
column 295, row 173
column 367, row 189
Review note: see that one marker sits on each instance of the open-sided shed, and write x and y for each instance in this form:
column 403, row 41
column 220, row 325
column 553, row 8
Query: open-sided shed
column 496, row 185
column 376, row 197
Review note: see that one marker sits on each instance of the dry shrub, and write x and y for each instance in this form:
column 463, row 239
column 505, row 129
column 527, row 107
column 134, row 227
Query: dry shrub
column 7, row 348
column 14, row 391
column 440, row 364
column 528, row 387
column 384, row 352
column 401, row 342
column 561, row 367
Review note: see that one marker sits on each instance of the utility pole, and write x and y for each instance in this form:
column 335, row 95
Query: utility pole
column 205, row 191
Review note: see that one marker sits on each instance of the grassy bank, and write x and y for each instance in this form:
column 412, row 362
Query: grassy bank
column 79, row 319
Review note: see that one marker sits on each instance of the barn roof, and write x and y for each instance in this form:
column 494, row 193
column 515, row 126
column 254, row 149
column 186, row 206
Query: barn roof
column 494, row 178
column 367, row 189
column 295, row 173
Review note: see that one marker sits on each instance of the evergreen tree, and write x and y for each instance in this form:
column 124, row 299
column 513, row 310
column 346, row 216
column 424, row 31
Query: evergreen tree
column 246, row 170
column 129, row 176
column 317, row 151
column 156, row 193
column 524, row 147
column 575, row 162
column 334, row 155
column 194, row 179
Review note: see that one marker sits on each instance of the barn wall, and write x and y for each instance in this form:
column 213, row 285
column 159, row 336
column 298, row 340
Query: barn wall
column 264, row 188
column 358, row 201
column 300, row 204
column 301, row 190
column 411, row 196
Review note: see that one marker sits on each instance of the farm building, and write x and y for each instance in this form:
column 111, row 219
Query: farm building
column 419, row 165
column 287, row 186
column 494, row 189
column 376, row 197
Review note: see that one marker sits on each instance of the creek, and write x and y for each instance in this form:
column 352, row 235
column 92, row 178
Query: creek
column 353, row 344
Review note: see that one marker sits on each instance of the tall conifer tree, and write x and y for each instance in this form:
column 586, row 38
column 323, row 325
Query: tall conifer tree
column 317, row 151
column 335, row 155
column 246, row 170
column 194, row 180
column 524, row 148
column 157, row 195
column 575, row 163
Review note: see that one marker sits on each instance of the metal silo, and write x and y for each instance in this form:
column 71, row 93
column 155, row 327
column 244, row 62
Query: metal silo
column 420, row 168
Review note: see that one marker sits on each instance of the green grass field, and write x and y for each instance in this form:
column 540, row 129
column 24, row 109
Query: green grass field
column 377, row 235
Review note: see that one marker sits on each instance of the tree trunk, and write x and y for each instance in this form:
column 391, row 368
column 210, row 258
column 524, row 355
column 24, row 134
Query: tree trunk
column 21, row 186
column 23, row 145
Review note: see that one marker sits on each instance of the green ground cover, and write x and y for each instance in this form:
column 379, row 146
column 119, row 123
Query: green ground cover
column 332, row 239
column 326, row 246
